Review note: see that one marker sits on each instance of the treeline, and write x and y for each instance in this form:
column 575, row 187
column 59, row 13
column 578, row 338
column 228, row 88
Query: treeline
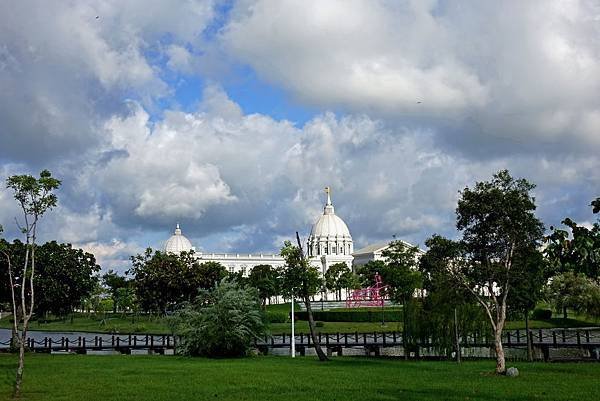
column 65, row 277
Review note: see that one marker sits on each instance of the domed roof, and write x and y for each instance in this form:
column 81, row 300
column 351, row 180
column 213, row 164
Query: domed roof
column 329, row 225
column 178, row 243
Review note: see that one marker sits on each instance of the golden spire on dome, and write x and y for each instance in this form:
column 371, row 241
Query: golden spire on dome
column 328, row 192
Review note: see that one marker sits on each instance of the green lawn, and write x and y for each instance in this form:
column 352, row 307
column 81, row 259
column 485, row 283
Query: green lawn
column 158, row 325
column 100, row 324
column 122, row 377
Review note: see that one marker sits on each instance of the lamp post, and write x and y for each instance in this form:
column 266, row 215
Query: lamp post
column 293, row 324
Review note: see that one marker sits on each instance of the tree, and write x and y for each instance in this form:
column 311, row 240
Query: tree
column 571, row 290
column 349, row 281
column 114, row 282
column 447, row 307
column 595, row 205
column 403, row 278
column 530, row 273
column 335, row 276
column 35, row 197
column 223, row 321
column 264, row 279
column 497, row 221
column 164, row 280
column 209, row 274
column 580, row 254
column 302, row 280
column 366, row 272
column 65, row 276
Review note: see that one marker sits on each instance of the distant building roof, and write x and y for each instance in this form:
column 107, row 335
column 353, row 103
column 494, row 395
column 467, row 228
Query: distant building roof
column 378, row 247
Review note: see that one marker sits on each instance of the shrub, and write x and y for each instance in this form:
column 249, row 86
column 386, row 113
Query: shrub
column 366, row 315
column 223, row 321
column 319, row 324
column 541, row 314
column 276, row 317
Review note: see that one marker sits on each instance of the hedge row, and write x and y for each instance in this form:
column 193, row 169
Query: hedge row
column 367, row 315
column 541, row 314
column 276, row 317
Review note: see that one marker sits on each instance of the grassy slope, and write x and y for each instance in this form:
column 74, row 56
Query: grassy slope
column 80, row 377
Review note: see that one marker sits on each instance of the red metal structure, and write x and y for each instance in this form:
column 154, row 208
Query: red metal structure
column 370, row 296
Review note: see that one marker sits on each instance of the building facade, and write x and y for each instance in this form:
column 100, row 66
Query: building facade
column 329, row 242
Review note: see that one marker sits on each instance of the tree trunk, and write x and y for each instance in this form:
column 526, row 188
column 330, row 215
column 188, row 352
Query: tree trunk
column 529, row 345
column 456, row 337
column 500, row 361
column 565, row 312
column 311, row 324
column 19, row 377
column 311, row 321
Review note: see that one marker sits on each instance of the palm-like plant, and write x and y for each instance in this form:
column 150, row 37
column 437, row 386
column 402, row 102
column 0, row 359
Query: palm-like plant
column 223, row 321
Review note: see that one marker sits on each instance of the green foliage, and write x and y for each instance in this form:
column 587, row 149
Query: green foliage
column 499, row 226
column 118, row 286
column 266, row 280
column 580, row 254
column 574, row 291
column 400, row 273
column 298, row 277
column 337, row 277
column 34, row 194
column 276, row 317
column 595, row 205
column 449, row 308
column 221, row 322
column 319, row 324
column 65, row 276
column 207, row 274
column 530, row 273
column 366, row 272
column 541, row 314
column 355, row 316
column 164, row 280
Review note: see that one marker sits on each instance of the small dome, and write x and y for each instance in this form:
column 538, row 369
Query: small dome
column 329, row 225
column 178, row 243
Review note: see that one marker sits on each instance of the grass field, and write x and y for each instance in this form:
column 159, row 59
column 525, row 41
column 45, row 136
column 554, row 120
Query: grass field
column 122, row 377
column 157, row 325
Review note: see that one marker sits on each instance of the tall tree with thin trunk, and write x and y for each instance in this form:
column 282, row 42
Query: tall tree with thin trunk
column 35, row 196
column 498, row 221
column 402, row 278
column 302, row 280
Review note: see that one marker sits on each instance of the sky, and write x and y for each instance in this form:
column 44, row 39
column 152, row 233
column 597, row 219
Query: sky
column 230, row 117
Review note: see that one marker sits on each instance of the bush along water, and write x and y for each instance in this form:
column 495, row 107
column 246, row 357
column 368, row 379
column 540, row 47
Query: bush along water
column 222, row 322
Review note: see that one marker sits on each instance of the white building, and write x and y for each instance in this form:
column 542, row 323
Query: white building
column 374, row 252
column 329, row 242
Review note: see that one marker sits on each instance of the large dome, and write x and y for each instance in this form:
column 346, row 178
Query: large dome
column 329, row 225
column 329, row 235
column 178, row 243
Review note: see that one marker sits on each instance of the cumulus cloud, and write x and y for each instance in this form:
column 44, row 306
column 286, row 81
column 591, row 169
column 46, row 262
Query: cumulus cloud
column 490, row 77
column 66, row 67
column 414, row 101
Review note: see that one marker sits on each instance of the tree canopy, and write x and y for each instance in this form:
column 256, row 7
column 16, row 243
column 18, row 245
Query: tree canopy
column 498, row 224
column 163, row 280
